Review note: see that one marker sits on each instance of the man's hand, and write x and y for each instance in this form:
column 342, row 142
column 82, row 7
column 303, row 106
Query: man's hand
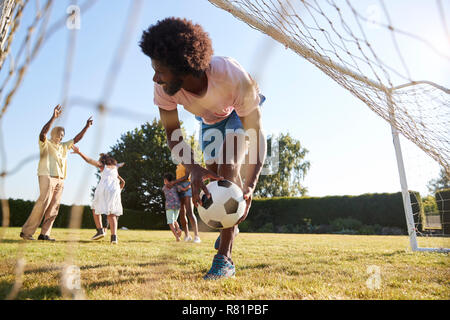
column 89, row 122
column 75, row 150
column 198, row 175
column 57, row 111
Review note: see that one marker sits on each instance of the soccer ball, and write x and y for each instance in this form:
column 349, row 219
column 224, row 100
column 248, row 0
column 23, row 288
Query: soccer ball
column 225, row 206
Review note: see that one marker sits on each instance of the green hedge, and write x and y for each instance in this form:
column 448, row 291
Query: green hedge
column 20, row 210
column 370, row 209
column 417, row 209
column 443, row 204
column 305, row 214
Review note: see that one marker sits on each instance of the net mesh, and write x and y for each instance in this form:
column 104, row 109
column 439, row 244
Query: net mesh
column 333, row 36
column 27, row 49
column 432, row 222
column 317, row 31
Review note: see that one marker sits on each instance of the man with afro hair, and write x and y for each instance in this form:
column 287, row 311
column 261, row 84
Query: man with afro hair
column 224, row 97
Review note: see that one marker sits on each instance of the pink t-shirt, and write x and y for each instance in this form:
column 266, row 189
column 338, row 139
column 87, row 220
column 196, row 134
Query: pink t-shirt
column 230, row 88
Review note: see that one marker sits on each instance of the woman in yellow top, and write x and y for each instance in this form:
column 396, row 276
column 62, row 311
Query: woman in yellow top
column 182, row 178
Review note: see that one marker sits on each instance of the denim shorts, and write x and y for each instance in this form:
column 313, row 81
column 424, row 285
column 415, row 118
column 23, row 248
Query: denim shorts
column 210, row 132
column 187, row 193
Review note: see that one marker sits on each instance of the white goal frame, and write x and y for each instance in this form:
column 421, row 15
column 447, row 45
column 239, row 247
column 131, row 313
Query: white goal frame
column 404, row 184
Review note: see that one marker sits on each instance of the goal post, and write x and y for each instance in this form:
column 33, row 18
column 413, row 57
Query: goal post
column 411, row 227
column 402, row 175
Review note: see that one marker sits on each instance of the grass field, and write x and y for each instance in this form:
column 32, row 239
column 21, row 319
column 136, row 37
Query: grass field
column 151, row 265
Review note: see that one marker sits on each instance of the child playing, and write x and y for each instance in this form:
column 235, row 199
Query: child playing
column 107, row 194
column 104, row 219
column 172, row 204
column 182, row 179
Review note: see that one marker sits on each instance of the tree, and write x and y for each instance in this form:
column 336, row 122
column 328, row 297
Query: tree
column 147, row 158
column 442, row 182
column 289, row 170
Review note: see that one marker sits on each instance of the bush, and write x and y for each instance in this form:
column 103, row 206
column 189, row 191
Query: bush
column 290, row 228
column 315, row 215
column 417, row 209
column 392, row 231
column 443, row 204
column 283, row 229
column 346, row 231
column 347, row 214
column 18, row 211
column 369, row 209
column 244, row 226
column 267, row 228
column 132, row 219
column 323, row 228
column 341, row 224
column 429, row 205
column 366, row 229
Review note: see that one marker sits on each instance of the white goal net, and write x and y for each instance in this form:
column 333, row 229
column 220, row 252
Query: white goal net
column 359, row 45
column 338, row 37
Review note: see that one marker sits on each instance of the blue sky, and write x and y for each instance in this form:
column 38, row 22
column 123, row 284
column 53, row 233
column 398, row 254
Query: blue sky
column 350, row 147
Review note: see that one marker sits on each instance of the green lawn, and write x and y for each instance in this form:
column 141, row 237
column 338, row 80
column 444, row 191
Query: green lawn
column 151, row 265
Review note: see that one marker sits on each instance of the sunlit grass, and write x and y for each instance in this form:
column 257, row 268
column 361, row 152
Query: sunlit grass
column 151, row 265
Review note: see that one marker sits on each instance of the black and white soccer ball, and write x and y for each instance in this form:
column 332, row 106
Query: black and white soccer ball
column 225, row 206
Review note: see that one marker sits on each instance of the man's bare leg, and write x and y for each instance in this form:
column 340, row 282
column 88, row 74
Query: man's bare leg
column 229, row 169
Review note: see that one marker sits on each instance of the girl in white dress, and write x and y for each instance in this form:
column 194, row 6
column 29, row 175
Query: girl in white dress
column 107, row 198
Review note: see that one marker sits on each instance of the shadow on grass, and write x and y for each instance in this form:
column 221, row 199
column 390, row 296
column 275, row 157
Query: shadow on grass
column 97, row 266
column 38, row 293
column 141, row 241
column 17, row 241
column 152, row 264
column 42, row 270
column 255, row 266
column 21, row 241
column 394, row 253
column 54, row 292
column 107, row 283
column 140, row 277
column 60, row 267
column 68, row 241
column 5, row 289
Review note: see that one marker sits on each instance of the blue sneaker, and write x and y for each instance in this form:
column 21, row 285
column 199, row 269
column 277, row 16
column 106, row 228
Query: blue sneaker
column 221, row 268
